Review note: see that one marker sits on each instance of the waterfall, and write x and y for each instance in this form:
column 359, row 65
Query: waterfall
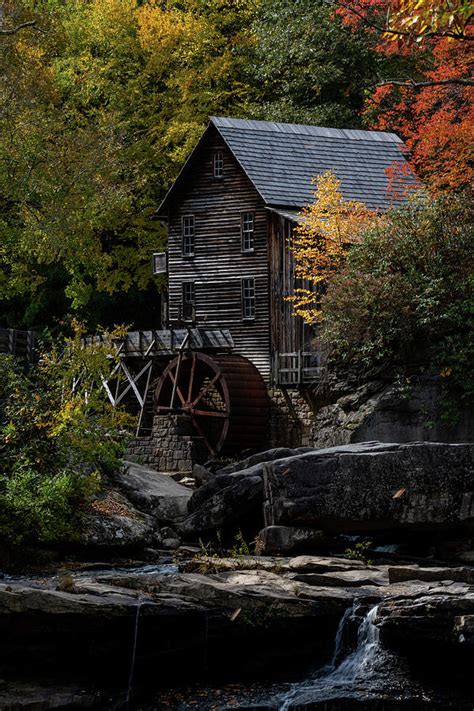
column 341, row 676
column 134, row 654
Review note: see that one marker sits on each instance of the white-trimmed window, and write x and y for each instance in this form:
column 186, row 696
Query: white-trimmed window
column 188, row 233
column 189, row 301
column 218, row 164
column 247, row 229
column 248, row 299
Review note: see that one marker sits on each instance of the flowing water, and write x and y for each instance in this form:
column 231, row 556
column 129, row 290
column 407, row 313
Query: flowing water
column 341, row 676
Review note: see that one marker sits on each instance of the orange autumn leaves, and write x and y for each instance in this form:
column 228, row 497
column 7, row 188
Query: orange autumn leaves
column 433, row 110
column 328, row 228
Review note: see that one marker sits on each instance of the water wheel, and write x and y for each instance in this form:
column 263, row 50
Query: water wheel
column 224, row 395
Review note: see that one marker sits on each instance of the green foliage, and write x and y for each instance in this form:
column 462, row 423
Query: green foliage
column 97, row 113
column 307, row 66
column 54, row 442
column 405, row 296
column 240, row 547
column 359, row 551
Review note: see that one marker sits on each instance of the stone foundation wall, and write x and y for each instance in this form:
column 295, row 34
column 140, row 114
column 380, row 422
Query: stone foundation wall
column 291, row 418
column 385, row 412
column 171, row 446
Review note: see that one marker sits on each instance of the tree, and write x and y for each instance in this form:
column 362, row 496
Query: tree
column 426, row 90
column 404, row 296
column 412, row 20
column 307, row 66
column 328, row 228
column 97, row 113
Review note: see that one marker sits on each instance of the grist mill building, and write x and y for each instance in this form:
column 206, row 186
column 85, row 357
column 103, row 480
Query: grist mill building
column 232, row 370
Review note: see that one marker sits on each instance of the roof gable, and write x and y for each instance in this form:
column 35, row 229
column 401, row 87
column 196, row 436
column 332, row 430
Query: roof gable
column 281, row 160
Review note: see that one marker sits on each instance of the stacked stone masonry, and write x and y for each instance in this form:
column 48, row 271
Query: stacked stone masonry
column 171, row 446
column 381, row 411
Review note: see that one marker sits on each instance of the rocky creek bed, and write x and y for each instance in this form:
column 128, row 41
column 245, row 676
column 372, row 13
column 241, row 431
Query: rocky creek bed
column 83, row 637
column 302, row 625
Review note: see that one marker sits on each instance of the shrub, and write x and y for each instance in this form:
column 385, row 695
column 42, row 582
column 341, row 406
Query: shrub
column 54, row 443
column 405, row 295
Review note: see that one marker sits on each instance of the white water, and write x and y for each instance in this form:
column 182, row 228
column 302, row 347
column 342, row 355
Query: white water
column 358, row 664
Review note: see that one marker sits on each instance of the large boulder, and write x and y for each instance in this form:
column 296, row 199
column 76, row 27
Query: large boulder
column 286, row 540
column 227, row 505
column 113, row 522
column 154, row 493
column 373, row 486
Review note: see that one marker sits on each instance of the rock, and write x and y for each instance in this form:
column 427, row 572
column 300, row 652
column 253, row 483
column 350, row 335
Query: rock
column 114, row 522
column 424, row 620
column 323, row 564
column 248, row 613
column 373, row 486
column 398, row 574
column 188, row 482
column 269, row 455
column 154, row 493
column 228, row 505
column 464, row 628
column 170, row 544
column 344, row 578
column 201, row 475
column 167, row 532
column 281, row 540
column 396, row 412
column 38, row 697
column 213, row 622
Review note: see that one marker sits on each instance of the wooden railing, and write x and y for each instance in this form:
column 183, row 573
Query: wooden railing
column 21, row 344
column 298, row 368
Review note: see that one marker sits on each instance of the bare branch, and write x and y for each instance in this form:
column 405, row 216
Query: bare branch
column 14, row 30
column 412, row 84
column 459, row 35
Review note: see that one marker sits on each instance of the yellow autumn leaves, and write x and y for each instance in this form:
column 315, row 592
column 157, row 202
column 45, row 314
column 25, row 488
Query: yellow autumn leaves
column 327, row 229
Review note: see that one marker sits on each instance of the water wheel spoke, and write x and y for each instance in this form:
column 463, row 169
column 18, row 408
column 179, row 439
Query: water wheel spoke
column 178, row 390
column 205, row 389
column 191, row 378
column 210, row 413
column 203, row 435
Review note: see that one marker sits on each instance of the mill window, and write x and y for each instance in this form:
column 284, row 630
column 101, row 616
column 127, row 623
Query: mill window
column 218, row 165
column 189, row 301
column 188, row 234
column 248, row 298
column 247, row 226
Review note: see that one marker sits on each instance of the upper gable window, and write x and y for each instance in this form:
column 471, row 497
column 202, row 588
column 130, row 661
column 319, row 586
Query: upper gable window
column 218, row 165
column 188, row 233
column 247, row 229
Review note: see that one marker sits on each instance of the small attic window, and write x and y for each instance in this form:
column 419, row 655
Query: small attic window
column 218, row 165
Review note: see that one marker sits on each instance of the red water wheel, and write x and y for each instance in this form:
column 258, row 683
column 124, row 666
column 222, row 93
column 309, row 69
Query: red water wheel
column 224, row 395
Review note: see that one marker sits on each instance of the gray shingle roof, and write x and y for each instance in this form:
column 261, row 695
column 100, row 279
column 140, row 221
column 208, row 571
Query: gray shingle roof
column 282, row 159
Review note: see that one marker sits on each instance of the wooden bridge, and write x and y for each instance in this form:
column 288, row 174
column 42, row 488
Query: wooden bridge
column 21, row 344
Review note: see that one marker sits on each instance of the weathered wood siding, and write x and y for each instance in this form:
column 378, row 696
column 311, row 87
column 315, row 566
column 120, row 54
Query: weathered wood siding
column 219, row 265
column 288, row 333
